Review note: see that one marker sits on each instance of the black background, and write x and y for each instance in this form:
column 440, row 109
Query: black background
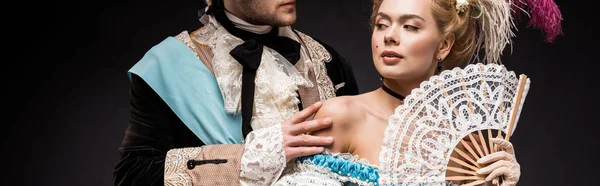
column 70, row 92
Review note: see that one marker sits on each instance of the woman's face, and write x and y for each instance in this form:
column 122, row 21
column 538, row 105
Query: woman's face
column 406, row 41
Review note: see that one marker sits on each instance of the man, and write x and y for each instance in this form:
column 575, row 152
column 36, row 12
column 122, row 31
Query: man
column 199, row 98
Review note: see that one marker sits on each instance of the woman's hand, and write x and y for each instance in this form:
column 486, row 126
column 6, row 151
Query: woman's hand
column 502, row 163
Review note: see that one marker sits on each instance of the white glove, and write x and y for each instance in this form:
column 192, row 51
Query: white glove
column 501, row 163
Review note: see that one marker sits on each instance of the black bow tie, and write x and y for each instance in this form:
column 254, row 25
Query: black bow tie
column 249, row 54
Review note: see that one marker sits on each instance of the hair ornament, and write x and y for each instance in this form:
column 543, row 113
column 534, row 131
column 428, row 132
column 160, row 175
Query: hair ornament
column 461, row 5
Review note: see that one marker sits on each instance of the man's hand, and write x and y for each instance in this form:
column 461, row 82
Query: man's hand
column 296, row 142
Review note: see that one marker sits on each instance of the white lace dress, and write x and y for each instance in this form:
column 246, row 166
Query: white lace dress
column 339, row 169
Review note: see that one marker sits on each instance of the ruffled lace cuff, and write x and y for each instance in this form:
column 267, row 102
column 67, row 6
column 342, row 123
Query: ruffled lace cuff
column 264, row 158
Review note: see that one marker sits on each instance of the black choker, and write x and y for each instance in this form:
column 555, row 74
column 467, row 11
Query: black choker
column 391, row 92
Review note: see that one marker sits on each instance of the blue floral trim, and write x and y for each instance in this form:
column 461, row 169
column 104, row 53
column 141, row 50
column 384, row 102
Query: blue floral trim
column 343, row 167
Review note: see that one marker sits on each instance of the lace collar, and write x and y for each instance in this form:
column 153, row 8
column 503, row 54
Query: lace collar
column 276, row 81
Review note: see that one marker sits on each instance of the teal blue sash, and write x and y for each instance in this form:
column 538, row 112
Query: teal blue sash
column 190, row 90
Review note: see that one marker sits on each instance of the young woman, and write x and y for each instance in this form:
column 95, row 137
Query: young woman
column 412, row 40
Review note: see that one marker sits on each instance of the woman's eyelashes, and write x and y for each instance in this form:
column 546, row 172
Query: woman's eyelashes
column 380, row 26
column 408, row 27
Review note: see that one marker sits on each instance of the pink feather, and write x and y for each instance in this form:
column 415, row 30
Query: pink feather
column 545, row 15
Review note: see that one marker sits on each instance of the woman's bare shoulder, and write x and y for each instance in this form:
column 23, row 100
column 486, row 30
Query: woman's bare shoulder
column 339, row 109
column 342, row 113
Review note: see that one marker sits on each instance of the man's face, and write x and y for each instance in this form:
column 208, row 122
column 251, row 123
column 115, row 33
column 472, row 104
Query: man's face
column 268, row 12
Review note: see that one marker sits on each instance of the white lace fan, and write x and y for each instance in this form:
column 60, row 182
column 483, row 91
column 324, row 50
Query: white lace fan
column 426, row 134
